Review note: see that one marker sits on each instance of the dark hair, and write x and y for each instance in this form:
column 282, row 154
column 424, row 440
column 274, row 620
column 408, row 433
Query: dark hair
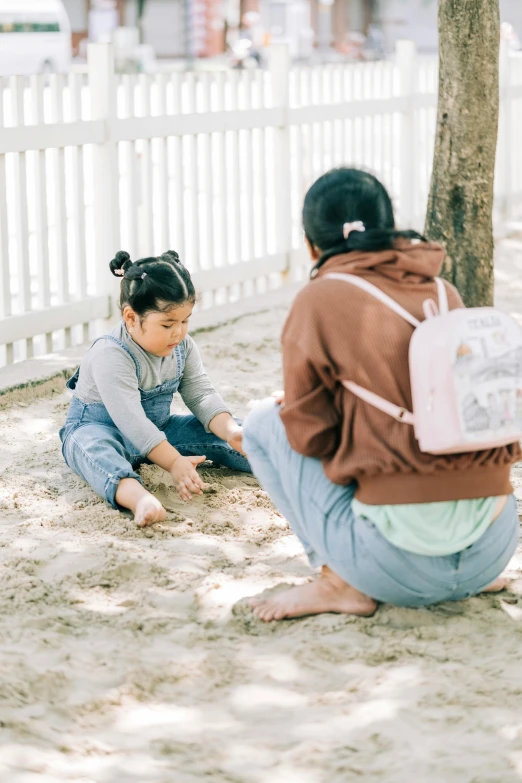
column 347, row 195
column 152, row 284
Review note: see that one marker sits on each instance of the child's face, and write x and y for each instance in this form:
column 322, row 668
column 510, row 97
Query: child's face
column 159, row 333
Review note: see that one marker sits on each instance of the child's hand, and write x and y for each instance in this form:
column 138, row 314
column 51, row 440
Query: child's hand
column 186, row 478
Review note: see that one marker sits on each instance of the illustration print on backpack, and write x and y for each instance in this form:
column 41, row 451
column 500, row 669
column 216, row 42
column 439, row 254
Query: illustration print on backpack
column 488, row 375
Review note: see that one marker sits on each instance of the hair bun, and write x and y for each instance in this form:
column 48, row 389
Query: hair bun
column 171, row 255
column 120, row 263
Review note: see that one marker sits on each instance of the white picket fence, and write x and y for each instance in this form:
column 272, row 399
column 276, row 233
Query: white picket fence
column 214, row 165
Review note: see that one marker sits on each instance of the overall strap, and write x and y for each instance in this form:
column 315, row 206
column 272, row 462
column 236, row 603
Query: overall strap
column 122, row 345
column 371, row 289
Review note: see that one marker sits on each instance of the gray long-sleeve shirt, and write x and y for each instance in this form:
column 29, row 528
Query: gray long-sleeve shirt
column 108, row 375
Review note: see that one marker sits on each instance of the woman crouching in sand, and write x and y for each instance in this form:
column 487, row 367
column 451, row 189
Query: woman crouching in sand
column 385, row 521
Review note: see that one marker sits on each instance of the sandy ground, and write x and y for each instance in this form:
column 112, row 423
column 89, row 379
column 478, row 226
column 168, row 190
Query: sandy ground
column 128, row 655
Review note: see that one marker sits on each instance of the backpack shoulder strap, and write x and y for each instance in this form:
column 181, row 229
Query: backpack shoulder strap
column 371, row 289
column 443, row 296
column 395, row 411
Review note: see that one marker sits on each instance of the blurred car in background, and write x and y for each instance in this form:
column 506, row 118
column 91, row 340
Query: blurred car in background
column 35, row 37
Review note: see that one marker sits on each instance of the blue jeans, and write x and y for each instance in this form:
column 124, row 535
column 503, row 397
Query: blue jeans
column 102, row 456
column 320, row 514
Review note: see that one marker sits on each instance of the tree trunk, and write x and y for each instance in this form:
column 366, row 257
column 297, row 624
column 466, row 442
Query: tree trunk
column 460, row 206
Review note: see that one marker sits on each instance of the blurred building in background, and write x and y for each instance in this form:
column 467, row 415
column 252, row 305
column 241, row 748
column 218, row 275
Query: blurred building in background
column 417, row 20
column 202, row 28
column 174, row 28
column 163, row 22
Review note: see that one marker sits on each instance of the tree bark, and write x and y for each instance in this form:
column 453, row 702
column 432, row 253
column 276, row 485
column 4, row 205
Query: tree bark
column 460, row 207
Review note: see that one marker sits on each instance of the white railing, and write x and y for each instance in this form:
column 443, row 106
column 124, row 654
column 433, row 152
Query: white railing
column 214, row 165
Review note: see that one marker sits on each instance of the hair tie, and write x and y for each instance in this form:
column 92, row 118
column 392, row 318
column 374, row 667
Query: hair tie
column 357, row 225
column 119, row 272
column 144, row 275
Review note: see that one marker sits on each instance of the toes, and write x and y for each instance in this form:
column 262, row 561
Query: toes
column 269, row 610
column 150, row 517
column 264, row 612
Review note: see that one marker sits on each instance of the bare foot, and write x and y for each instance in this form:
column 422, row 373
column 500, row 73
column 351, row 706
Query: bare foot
column 148, row 511
column 146, row 508
column 499, row 584
column 328, row 593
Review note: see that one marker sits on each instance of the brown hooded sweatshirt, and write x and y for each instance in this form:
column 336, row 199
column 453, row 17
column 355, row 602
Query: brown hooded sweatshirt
column 337, row 332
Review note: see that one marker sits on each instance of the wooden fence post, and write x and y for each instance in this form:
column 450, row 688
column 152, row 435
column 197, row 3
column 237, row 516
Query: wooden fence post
column 279, row 68
column 406, row 53
column 106, row 211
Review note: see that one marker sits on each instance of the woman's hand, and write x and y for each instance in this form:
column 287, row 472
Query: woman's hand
column 235, row 440
column 227, row 428
column 185, row 476
column 279, row 397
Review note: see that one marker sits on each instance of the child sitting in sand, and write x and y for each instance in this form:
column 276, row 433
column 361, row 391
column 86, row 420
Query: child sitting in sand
column 120, row 413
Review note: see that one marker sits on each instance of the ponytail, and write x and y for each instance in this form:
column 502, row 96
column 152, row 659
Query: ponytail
column 372, row 242
column 349, row 210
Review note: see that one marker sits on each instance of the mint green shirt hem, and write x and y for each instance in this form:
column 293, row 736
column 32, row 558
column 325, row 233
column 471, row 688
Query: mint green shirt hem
column 432, row 529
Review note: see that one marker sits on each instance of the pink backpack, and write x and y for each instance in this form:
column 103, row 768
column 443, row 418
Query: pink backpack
column 465, row 373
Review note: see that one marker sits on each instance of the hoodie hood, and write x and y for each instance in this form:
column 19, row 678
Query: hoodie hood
column 413, row 262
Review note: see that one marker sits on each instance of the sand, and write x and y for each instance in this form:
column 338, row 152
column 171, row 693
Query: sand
column 130, row 655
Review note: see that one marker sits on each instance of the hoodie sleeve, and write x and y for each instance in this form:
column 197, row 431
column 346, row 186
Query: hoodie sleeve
column 311, row 418
column 309, row 415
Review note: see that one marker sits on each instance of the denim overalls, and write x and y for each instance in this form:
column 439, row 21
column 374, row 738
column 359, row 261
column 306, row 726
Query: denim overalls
column 98, row 452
